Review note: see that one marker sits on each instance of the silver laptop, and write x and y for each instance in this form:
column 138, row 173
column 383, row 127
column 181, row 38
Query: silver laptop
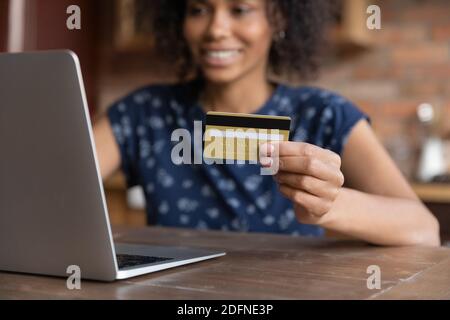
column 52, row 206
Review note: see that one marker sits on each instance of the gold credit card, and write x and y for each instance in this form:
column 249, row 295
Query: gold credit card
column 237, row 136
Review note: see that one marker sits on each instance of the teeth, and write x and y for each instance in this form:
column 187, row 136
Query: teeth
column 221, row 54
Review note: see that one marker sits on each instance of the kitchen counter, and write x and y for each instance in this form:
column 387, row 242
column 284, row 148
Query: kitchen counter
column 433, row 192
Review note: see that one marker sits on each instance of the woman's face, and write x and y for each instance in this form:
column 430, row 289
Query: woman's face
column 228, row 39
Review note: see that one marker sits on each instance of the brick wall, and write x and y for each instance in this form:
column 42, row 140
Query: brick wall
column 407, row 63
column 3, row 24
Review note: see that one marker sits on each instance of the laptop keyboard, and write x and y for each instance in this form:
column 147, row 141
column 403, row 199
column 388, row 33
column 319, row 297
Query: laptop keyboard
column 128, row 261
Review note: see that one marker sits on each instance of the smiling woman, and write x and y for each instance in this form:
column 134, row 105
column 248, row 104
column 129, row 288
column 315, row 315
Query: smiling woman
column 244, row 52
column 297, row 27
column 230, row 48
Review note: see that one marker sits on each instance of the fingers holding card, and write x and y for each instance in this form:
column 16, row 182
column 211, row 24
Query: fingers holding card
column 238, row 137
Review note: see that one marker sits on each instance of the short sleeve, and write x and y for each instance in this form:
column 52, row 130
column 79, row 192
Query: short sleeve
column 347, row 115
column 123, row 119
column 326, row 119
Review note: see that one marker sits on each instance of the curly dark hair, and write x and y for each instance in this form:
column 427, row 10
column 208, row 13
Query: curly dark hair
column 294, row 55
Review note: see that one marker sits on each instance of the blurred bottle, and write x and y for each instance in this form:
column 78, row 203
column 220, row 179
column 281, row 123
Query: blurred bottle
column 431, row 162
column 136, row 198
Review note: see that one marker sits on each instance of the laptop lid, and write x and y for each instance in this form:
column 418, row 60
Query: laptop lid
column 52, row 206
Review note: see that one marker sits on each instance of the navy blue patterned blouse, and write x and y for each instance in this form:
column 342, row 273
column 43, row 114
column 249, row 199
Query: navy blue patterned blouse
column 223, row 197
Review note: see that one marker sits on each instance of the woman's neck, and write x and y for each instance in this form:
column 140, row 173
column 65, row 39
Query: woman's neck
column 242, row 96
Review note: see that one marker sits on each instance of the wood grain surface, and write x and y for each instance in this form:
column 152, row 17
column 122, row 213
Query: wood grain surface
column 260, row 266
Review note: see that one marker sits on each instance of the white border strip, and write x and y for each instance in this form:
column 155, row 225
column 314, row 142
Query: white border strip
column 244, row 135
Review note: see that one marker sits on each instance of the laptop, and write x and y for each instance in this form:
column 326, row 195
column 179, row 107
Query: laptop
column 53, row 213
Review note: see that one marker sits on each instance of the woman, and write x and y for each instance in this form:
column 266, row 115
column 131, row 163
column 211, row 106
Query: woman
column 230, row 47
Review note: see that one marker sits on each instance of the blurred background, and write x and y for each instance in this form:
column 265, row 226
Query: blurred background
column 399, row 75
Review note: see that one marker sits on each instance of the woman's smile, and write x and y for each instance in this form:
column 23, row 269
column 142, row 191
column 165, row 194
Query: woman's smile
column 228, row 40
column 220, row 57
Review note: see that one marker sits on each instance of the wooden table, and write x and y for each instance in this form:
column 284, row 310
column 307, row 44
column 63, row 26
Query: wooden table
column 260, row 266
